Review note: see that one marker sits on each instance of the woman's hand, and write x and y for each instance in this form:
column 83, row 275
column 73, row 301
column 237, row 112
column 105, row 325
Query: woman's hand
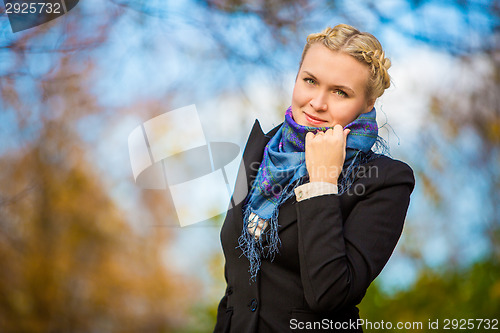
column 325, row 154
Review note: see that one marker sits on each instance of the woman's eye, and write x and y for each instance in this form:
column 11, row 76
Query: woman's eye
column 341, row 93
column 310, row 81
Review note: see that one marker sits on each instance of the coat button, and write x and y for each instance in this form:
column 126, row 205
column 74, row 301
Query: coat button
column 229, row 290
column 253, row 305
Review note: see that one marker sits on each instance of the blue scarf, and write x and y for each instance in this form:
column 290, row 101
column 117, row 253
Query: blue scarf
column 283, row 168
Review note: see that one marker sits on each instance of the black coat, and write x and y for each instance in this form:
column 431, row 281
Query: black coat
column 332, row 248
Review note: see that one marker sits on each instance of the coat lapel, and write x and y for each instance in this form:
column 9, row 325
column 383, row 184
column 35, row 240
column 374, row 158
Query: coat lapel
column 252, row 157
column 250, row 162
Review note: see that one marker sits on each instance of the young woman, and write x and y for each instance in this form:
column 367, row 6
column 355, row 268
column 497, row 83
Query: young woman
column 323, row 211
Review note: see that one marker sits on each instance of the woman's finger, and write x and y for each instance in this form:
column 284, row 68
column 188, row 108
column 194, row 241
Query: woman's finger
column 309, row 136
column 320, row 133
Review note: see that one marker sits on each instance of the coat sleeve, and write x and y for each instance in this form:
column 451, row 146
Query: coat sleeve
column 339, row 259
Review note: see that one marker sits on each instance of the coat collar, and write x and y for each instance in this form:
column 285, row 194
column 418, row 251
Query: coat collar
column 254, row 151
column 252, row 157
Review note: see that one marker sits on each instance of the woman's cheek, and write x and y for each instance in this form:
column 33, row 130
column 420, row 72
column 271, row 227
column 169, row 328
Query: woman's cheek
column 300, row 95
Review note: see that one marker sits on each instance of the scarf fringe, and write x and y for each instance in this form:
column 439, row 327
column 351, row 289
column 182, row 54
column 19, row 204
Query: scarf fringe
column 253, row 248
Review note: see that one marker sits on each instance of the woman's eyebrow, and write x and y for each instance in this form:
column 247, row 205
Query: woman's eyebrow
column 333, row 86
column 345, row 88
column 311, row 75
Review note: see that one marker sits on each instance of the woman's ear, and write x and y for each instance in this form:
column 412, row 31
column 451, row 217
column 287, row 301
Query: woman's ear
column 370, row 105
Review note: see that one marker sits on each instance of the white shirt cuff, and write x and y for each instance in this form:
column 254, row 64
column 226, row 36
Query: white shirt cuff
column 309, row 190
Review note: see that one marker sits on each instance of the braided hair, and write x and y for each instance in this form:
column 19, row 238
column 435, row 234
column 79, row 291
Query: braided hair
column 363, row 46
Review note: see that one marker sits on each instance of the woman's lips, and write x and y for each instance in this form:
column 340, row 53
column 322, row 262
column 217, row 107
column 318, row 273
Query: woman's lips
column 314, row 120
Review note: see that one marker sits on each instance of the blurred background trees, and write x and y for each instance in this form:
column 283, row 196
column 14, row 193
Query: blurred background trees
column 83, row 249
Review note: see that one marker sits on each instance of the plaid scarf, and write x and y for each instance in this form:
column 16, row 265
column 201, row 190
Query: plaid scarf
column 282, row 169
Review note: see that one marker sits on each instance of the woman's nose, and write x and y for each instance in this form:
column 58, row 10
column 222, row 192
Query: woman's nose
column 318, row 102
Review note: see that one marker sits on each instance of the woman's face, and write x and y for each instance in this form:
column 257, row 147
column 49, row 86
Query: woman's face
column 330, row 89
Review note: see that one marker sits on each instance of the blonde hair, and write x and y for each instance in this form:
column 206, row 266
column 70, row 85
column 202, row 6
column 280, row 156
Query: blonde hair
column 363, row 46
